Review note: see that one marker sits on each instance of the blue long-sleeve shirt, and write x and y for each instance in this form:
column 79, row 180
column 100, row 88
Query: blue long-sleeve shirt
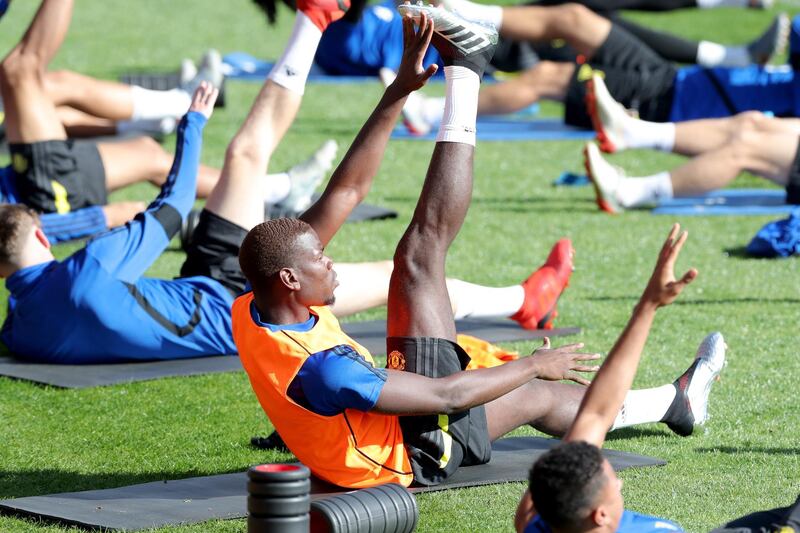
column 95, row 307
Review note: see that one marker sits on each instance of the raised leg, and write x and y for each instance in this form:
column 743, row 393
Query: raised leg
column 30, row 115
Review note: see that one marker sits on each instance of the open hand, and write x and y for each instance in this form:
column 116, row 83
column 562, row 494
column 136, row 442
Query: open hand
column 663, row 288
column 564, row 362
column 204, row 98
column 411, row 76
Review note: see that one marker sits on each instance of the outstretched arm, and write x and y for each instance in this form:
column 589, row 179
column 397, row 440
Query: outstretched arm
column 605, row 395
column 352, row 180
column 406, row 393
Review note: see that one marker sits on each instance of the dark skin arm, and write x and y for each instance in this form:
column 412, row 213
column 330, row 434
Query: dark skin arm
column 353, row 178
column 405, row 393
column 604, row 397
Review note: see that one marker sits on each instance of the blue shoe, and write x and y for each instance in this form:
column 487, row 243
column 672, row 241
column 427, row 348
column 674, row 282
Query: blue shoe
column 794, row 44
column 3, row 7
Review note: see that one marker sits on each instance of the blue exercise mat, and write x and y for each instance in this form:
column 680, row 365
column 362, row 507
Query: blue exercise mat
column 510, row 129
column 243, row 66
column 728, row 202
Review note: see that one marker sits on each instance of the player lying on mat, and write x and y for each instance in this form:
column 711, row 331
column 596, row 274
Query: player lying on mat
column 720, row 149
column 99, row 293
column 368, row 39
column 422, row 417
column 573, row 488
column 55, row 175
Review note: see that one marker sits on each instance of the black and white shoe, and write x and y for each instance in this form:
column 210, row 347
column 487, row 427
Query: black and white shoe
column 690, row 406
column 458, row 41
column 772, row 42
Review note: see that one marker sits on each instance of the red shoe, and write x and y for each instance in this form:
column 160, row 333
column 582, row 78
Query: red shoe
column 544, row 287
column 323, row 12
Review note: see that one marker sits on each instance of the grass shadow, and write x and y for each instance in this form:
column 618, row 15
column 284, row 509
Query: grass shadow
column 634, row 433
column 749, row 449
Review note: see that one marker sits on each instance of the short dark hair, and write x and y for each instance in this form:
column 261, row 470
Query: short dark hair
column 565, row 482
column 270, row 8
column 269, row 247
column 15, row 222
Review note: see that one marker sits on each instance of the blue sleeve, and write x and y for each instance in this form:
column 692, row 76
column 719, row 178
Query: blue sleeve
column 74, row 225
column 128, row 251
column 337, row 379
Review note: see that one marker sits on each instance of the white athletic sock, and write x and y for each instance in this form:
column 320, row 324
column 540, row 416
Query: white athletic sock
column 276, row 187
column 644, row 134
column 644, row 406
column 478, row 301
column 477, row 12
column 291, row 70
column 635, row 192
column 712, row 55
column 707, row 4
column 152, row 105
column 460, row 106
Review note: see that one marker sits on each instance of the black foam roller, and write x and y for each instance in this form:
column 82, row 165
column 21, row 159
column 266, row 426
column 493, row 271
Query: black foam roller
column 278, row 472
column 384, row 509
column 292, row 506
column 282, row 489
column 278, row 524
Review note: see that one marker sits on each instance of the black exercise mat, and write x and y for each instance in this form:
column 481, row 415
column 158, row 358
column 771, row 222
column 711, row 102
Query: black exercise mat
column 199, row 499
column 163, row 81
column 371, row 334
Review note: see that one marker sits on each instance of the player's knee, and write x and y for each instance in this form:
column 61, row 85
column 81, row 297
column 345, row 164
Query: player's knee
column 413, row 259
column 573, row 15
column 244, row 149
column 748, row 121
column 18, row 68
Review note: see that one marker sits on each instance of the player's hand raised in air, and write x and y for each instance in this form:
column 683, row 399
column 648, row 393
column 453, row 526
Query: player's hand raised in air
column 204, row 98
column 663, row 288
column 564, row 362
column 411, row 75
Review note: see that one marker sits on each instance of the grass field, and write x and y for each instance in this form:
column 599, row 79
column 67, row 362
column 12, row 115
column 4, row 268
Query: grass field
column 746, row 458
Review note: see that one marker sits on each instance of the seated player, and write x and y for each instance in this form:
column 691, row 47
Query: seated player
column 364, row 43
column 573, row 488
column 422, row 417
column 98, row 294
column 720, row 149
column 53, row 174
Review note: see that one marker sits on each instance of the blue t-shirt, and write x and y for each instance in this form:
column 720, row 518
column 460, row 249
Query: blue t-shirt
column 363, row 48
column 722, row 92
column 332, row 380
column 95, row 306
column 629, row 523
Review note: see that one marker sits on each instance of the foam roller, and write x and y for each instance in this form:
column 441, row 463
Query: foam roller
column 384, row 509
column 278, row 500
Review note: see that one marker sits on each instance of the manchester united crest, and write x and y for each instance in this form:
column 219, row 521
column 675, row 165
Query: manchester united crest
column 396, row 361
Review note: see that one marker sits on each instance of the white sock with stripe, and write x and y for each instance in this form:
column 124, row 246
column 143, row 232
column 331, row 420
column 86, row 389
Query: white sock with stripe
column 460, row 105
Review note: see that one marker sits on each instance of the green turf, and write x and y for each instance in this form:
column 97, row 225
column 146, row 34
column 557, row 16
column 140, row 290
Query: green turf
column 745, row 459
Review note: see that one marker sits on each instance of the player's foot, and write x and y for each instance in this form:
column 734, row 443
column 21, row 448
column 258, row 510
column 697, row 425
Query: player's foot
column 772, row 42
column 605, row 178
column 323, row 12
column 157, row 128
column 210, row 71
column 609, row 117
column 188, row 71
column 690, row 406
column 271, row 442
column 544, row 287
column 305, row 177
column 459, row 42
column 413, row 110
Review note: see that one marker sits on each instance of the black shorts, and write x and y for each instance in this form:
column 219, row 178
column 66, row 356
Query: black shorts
column 59, row 176
column 635, row 75
column 213, row 251
column 793, row 187
column 438, row 444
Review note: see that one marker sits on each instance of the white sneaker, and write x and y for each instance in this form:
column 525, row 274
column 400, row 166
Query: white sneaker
column 690, row 406
column 463, row 38
column 605, row 178
column 188, row 71
column 413, row 109
column 609, row 117
column 305, row 177
column 210, row 71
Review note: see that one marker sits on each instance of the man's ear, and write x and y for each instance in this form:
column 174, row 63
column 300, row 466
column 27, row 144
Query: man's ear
column 42, row 238
column 599, row 516
column 289, row 279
